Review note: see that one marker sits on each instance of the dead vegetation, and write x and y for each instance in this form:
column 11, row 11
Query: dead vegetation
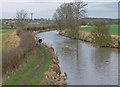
column 13, row 58
column 53, row 76
column 10, row 40
column 13, row 43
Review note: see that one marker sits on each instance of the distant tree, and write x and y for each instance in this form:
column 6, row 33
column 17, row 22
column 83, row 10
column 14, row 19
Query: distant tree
column 67, row 16
column 60, row 16
column 101, row 34
column 21, row 19
column 42, row 19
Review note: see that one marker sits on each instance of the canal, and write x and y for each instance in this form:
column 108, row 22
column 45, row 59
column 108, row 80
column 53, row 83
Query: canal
column 83, row 63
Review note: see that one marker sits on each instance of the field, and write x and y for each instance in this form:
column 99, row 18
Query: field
column 113, row 29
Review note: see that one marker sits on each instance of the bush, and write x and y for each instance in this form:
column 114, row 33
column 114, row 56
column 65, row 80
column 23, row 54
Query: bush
column 101, row 35
column 12, row 58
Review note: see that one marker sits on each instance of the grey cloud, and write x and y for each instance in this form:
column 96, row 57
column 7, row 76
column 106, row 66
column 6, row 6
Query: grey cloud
column 46, row 9
column 103, row 9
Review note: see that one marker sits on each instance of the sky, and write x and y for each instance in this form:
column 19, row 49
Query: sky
column 46, row 8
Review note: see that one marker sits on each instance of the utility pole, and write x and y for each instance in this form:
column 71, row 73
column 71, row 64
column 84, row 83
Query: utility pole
column 31, row 15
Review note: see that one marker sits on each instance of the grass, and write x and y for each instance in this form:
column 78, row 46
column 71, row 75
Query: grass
column 2, row 31
column 7, row 27
column 88, row 28
column 113, row 29
column 40, row 74
column 20, row 76
column 4, row 37
column 4, row 34
column 15, row 79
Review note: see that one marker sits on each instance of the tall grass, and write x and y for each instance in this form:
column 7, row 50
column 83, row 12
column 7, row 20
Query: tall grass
column 12, row 58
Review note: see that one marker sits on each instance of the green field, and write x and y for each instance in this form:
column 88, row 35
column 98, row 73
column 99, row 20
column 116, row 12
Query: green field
column 113, row 29
column 2, row 31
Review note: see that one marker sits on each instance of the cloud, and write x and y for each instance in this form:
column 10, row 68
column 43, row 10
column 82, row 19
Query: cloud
column 59, row 0
column 98, row 0
column 102, row 5
column 46, row 9
column 37, row 0
column 102, row 9
column 39, row 9
column 0, row 10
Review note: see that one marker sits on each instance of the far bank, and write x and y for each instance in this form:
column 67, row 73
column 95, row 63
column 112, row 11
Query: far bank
column 88, row 37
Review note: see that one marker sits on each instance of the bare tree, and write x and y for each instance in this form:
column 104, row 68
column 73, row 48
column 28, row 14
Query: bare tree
column 21, row 19
column 68, row 15
column 60, row 16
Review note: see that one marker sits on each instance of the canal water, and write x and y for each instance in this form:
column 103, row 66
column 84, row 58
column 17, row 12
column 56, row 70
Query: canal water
column 83, row 63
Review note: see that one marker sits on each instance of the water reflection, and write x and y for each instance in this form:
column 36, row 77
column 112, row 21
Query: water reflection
column 84, row 64
column 106, row 63
column 101, row 58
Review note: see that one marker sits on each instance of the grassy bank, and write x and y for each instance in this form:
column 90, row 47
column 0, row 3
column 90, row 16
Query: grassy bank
column 15, row 50
column 113, row 29
column 87, row 36
column 22, row 74
column 4, row 34
column 44, row 67
column 6, row 38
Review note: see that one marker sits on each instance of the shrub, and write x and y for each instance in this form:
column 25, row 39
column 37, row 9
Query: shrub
column 101, row 35
column 12, row 58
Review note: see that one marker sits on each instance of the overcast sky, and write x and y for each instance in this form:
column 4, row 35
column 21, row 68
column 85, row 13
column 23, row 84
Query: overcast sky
column 46, row 8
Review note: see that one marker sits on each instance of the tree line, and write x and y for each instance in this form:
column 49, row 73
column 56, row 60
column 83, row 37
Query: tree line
column 70, row 16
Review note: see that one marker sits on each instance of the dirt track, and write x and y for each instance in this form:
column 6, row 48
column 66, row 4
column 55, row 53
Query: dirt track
column 34, row 71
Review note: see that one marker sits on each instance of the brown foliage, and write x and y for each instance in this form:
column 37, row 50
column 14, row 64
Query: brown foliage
column 53, row 76
column 12, row 58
